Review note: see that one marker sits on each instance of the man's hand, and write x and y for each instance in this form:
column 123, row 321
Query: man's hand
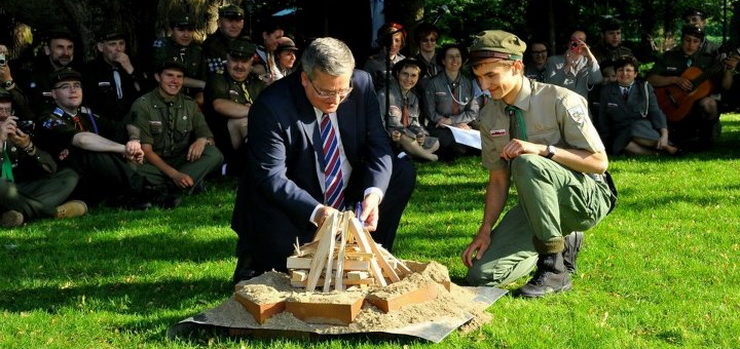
column 395, row 136
column 421, row 138
column 123, row 59
column 182, row 180
column 20, row 139
column 462, row 126
column 196, row 149
column 323, row 213
column 444, row 121
column 370, row 214
column 517, row 147
column 7, row 128
column 477, row 247
column 662, row 142
column 683, row 83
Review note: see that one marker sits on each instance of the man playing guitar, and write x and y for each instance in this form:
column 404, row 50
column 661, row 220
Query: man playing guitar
column 684, row 79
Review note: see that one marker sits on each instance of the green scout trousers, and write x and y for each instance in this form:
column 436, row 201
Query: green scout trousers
column 553, row 201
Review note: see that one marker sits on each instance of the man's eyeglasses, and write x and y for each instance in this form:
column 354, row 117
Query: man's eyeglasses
column 331, row 95
column 429, row 40
column 69, row 87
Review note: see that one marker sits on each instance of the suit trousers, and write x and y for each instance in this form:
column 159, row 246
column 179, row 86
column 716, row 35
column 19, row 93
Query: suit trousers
column 553, row 201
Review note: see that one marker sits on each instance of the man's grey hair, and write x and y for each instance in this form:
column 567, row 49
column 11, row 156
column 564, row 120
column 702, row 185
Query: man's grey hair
column 328, row 55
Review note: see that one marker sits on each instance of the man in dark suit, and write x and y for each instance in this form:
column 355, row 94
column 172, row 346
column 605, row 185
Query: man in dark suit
column 297, row 126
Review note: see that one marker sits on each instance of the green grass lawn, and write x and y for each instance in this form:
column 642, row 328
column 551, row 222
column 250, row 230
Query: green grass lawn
column 660, row 271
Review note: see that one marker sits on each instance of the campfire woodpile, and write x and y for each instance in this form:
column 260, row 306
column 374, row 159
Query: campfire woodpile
column 335, row 274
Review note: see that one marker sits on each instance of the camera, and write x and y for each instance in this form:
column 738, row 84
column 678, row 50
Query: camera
column 2, row 60
column 573, row 44
column 26, row 126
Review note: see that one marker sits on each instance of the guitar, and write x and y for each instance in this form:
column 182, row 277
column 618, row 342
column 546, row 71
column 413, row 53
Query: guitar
column 676, row 103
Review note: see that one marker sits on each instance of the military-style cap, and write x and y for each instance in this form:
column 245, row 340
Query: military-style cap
column 694, row 12
column 610, row 24
column 60, row 33
column 240, row 48
column 497, row 44
column 693, row 31
column 64, row 74
column 231, row 11
column 111, row 34
column 285, row 44
column 407, row 62
column 171, row 63
column 183, row 22
column 5, row 96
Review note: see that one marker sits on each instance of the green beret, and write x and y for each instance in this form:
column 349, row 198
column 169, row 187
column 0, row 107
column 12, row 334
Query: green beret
column 497, row 44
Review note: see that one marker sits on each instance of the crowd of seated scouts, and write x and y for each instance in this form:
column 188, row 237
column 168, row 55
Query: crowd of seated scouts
column 136, row 135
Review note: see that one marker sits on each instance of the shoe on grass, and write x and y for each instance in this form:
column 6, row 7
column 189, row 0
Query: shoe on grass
column 69, row 209
column 11, row 219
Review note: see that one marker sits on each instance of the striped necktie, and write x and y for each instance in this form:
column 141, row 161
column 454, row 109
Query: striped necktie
column 333, row 181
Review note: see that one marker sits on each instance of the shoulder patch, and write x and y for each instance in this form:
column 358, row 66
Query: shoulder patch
column 159, row 43
column 578, row 114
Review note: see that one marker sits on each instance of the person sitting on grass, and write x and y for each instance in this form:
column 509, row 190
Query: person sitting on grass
column 177, row 143
column 402, row 118
column 30, row 185
column 630, row 119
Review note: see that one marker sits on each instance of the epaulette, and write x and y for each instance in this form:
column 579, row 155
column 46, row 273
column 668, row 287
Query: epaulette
column 58, row 112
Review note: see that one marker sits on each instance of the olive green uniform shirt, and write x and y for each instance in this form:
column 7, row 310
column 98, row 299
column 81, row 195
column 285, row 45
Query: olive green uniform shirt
column 552, row 115
column 169, row 126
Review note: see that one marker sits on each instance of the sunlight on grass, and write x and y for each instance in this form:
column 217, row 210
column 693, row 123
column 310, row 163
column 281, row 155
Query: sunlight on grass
column 660, row 271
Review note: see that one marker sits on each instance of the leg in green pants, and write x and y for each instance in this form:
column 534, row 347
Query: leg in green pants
column 552, row 200
column 39, row 198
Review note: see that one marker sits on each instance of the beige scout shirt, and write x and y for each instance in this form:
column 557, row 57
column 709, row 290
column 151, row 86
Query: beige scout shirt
column 553, row 115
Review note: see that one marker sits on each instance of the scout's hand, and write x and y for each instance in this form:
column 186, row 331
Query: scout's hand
column 7, row 127
column 196, row 149
column 517, row 147
column 369, row 214
column 421, row 138
column 132, row 148
column 395, row 136
column 477, row 248
column 20, row 139
column 463, row 126
column 182, row 180
column 683, row 83
column 444, row 121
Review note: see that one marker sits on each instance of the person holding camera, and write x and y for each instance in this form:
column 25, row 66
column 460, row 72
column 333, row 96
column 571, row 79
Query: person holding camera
column 30, row 185
column 576, row 69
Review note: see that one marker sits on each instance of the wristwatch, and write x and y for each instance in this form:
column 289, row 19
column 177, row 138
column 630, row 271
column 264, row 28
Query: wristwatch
column 551, row 150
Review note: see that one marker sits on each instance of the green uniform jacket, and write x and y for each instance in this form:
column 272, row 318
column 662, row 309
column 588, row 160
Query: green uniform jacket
column 169, row 126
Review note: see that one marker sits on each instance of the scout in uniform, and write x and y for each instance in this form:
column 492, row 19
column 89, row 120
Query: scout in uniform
column 216, row 46
column 71, row 134
column 181, row 46
column 30, row 185
column 229, row 96
column 175, row 138
column 112, row 81
column 539, row 137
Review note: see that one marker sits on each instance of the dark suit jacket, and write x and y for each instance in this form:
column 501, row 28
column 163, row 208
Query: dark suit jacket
column 281, row 187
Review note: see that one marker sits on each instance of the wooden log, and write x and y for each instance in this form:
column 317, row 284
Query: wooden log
column 359, row 235
column 339, row 273
column 345, row 282
column 325, row 313
column 305, row 263
column 330, row 257
column 319, row 258
column 390, row 303
column 260, row 312
column 357, row 275
column 298, row 275
column 384, row 265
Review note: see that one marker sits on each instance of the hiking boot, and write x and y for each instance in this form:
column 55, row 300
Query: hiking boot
column 573, row 243
column 69, row 209
column 11, row 219
column 168, row 202
column 550, row 277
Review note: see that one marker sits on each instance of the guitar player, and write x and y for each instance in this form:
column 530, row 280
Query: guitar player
column 675, row 75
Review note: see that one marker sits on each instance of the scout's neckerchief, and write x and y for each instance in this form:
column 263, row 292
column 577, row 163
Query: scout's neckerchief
column 7, row 169
column 58, row 112
column 517, row 121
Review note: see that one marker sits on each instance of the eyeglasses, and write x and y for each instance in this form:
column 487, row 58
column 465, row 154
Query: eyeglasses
column 331, row 95
column 69, row 87
column 429, row 40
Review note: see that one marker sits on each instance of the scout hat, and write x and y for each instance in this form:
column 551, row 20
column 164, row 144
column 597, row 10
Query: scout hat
column 111, row 34
column 185, row 21
column 693, row 31
column 231, row 11
column 285, row 44
column 407, row 62
column 64, row 74
column 695, row 12
column 497, row 44
column 171, row 63
column 241, row 48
